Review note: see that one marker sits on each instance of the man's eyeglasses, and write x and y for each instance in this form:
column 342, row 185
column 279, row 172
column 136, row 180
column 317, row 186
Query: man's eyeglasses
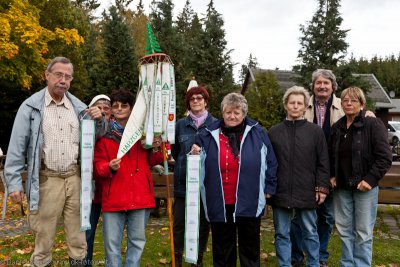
column 60, row 75
column 198, row 98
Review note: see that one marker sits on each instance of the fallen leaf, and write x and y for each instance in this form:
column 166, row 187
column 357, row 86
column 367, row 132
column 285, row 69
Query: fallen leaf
column 163, row 261
column 264, row 256
column 20, row 251
column 272, row 254
column 393, row 265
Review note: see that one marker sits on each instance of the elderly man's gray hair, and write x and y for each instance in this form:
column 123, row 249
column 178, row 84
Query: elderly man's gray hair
column 327, row 74
column 296, row 90
column 235, row 100
column 55, row 60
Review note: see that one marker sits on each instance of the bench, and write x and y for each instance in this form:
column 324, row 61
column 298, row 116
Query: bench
column 389, row 186
column 160, row 185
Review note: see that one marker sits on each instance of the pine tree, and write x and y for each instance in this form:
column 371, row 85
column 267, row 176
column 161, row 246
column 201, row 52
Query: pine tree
column 215, row 67
column 323, row 43
column 120, row 69
column 161, row 18
column 264, row 99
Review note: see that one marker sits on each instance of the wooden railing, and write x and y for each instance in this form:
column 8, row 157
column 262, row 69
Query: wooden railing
column 389, row 186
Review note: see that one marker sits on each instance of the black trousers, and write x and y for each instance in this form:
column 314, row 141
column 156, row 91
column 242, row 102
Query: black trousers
column 247, row 231
column 179, row 226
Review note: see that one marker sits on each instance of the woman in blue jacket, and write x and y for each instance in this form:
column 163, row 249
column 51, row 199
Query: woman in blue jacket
column 239, row 174
column 187, row 129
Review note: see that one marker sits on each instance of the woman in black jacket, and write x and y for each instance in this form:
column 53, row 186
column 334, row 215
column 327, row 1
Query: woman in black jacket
column 303, row 176
column 360, row 157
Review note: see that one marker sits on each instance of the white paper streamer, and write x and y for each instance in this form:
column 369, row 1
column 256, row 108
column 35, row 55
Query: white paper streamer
column 165, row 98
column 192, row 208
column 158, row 103
column 172, row 107
column 150, row 74
column 87, row 149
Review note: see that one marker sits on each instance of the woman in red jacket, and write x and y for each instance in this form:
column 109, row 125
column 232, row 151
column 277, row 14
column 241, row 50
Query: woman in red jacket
column 128, row 194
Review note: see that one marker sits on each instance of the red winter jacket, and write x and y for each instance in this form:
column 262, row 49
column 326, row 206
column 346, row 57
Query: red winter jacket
column 131, row 186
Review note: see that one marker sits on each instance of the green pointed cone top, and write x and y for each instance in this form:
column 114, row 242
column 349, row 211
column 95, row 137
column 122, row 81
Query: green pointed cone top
column 152, row 45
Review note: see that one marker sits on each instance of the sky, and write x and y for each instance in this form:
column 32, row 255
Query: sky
column 269, row 29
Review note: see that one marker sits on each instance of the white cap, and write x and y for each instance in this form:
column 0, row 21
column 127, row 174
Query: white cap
column 97, row 98
column 192, row 84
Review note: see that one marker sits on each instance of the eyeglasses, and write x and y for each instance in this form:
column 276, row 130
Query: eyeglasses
column 351, row 101
column 121, row 106
column 198, row 98
column 60, row 75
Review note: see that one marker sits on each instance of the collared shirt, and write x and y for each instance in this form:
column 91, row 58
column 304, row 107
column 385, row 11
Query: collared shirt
column 229, row 166
column 60, row 134
column 320, row 111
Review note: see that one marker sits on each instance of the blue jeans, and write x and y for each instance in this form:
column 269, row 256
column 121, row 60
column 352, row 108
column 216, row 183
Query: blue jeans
column 282, row 221
column 113, row 232
column 355, row 215
column 325, row 223
column 90, row 234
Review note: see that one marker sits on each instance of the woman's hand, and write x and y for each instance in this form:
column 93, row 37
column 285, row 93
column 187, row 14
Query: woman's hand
column 114, row 164
column 364, row 186
column 320, row 197
column 333, row 182
column 195, row 149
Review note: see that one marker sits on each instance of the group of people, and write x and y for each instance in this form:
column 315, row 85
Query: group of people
column 46, row 136
column 319, row 166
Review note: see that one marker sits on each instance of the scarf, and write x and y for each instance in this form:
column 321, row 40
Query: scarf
column 116, row 129
column 234, row 134
column 198, row 119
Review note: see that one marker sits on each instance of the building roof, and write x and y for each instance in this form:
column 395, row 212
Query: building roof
column 396, row 103
column 287, row 79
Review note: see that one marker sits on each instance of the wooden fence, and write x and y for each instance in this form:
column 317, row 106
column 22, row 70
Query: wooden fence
column 389, row 186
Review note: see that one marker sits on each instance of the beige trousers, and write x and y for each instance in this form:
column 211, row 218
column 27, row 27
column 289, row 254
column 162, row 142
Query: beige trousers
column 59, row 195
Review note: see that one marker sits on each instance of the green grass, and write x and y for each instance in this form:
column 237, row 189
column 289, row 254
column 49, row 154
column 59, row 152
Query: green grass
column 157, row 250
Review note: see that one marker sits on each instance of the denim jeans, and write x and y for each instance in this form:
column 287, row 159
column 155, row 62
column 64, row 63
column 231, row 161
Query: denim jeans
column 90, row 234
column 325, row 223
column 113, row 231
column 307, row 219
column 355, row 215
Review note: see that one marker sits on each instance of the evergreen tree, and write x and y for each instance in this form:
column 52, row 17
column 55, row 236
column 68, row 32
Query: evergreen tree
column 386, row 70
column 251, row 63
column 120, row 66
column 137, row 23
column 215, row 67
column 323, row 43
column 171, row 43
column 265, row 100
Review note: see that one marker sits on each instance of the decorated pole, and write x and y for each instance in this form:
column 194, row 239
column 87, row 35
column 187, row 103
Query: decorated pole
column 153, row 114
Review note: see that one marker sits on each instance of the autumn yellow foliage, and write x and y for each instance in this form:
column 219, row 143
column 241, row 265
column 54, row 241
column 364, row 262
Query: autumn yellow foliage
column 24, row 41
